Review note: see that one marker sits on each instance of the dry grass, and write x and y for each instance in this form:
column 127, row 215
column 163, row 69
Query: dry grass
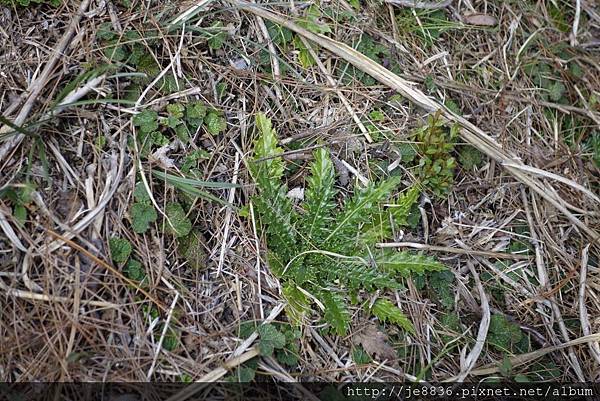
column 69, row 313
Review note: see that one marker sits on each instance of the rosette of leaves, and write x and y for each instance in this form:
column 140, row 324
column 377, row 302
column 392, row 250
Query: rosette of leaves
column 326, row 254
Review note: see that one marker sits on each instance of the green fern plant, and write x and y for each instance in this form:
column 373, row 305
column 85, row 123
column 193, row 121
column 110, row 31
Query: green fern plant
column 325, row 254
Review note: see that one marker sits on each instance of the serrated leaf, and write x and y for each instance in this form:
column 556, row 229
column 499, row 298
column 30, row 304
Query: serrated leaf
column 180, row 224
column 215, row 124
column 359, row 210
column 356, row 276
column 290, row 234
column 20, row 214
column 120, row 249
column 272, row 204
column 287, row 357
column 556, row 91
column 134, row 270
column 401, row 209
column 142, row 214
column 360, row 357
column 406, row 262
column 336, row 313
column 276, row 211
column 297, row 303
column 191, row 247
column 270, row 339
column 195, row 113
column 243, row 374
column 217, row 35
column 140, row 193
column 386, row 311
column 176, row 110
column 147, row 120
column 267, row 166
column 320, row 195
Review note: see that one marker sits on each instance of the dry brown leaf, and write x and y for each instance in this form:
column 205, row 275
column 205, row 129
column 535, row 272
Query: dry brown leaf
column 375, row 343
column 160, row 157
column 480, row 19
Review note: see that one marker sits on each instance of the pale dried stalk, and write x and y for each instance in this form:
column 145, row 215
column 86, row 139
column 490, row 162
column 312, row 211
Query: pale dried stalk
column 272, row 53
column 10, row 233
column 427, row 5
column 228, row 213
column 213, row 376
column 471, row 359
column 531, row 356
column 460, row 251
column 583, row 312
column 162, row 336
column 53, row 298
column 556, row 177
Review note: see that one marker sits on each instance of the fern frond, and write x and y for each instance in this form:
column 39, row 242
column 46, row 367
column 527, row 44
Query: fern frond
column 405, row 202
column 336, row 313
column 271, row 203
column 359, row 210
column 276, row 212
column 297, row 303
column 320, row 194
column 406, row 262
column 385, row 310
column 381, row 227
column 358, row 276
column 266, row 167
column 378, row 230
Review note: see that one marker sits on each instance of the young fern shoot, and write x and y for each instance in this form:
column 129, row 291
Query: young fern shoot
column 325, row 255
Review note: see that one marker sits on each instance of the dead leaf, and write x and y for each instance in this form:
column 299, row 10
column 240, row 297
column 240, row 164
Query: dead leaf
column 160, row 157
column 375, row 343
column 480, row 19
